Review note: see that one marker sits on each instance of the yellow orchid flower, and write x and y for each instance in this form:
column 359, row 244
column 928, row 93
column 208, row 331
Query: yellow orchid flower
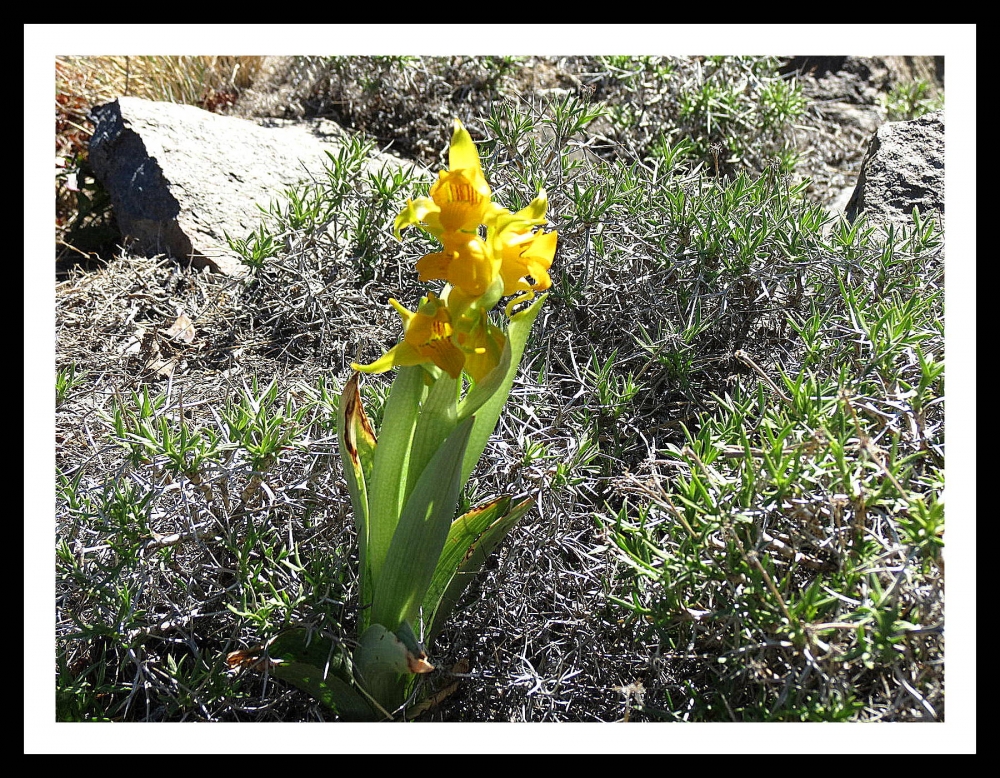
column 527, row 254
column 464, row 261
column 459, row 202
column 460, row 198
column 521, row 251
column 479, row 271
column 481, row 341
column 426, row 338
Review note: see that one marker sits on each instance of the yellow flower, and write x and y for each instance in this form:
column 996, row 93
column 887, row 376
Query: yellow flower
column 460, row 198
column 479, row 271
column 482, row 343
column 463, row 200
column 522, row 252
column 426, row 338
column 464, row 261
column 459, row 202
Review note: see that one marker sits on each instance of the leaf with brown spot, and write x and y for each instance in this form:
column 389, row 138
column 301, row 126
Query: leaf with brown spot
column 471, row 539
column 356, row 441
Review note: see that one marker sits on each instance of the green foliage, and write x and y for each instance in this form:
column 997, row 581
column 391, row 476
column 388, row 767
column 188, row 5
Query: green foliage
column 254, row 250
column 614, row 391
column 909, row 100
column 351, row 206
column 261, row 426
column 67, row 379
column 729, row 112
column 763, row 535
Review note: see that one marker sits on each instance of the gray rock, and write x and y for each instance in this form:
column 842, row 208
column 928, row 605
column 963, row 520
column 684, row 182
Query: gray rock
column 902, row 169
column 179, row 177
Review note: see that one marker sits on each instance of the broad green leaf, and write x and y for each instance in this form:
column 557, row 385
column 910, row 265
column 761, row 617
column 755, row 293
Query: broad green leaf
column 356, row 441
column 488, row 407
column 471, row 540
column 421, row 534
column 322, row 669
column 406, row 634
column 462, row 535
column 438, row 417
column 385, row 665
column 380, row 650
column 388, row 484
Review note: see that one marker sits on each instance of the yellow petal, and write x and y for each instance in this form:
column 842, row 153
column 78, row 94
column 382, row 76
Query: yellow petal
column 514, row 302
column 394, row 357
column 445, row 354
column 473, row 268
column 486, row 354
column 405, row 313
column 462, row 199
column 462, row 152
column 434, row 267
column 415, row 212
column 525, row 254
column 534, row 212
column 538, row 258
column 423, row 329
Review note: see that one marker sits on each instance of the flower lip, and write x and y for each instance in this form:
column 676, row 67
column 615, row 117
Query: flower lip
column 462, row 198
column 426, row 340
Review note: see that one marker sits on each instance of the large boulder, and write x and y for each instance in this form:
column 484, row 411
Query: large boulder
column 903, row 169
column 180, row 178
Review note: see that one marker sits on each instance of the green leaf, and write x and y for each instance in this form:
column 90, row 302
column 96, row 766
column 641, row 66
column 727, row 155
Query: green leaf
column 471, row 539
column 421, row 534
column 321, row 668
column 385, row 664
column 388, row 484
column 462, row 535
column 488, row 404
column 356, row 441
column 437, row 419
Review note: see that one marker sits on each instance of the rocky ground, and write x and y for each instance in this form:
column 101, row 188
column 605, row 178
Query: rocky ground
column 561, row 667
